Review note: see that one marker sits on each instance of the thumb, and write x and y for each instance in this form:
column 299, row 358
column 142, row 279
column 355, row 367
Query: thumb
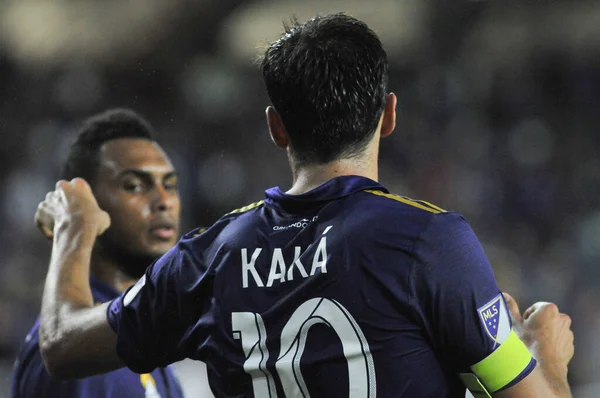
column 513, row 309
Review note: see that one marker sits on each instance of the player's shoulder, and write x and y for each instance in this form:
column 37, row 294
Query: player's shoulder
column 387, row 216
column 202, row 233
column 30, row 342
column 402, row 204
column 29, row 366
column 398, row 212
column 244, row 209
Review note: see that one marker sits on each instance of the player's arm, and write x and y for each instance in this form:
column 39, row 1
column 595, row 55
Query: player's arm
column 166, row 315
column 75, row 337
column 486, row 377
column 547, row 334
column 146, row 327
column 535, row 385
column 461, row 306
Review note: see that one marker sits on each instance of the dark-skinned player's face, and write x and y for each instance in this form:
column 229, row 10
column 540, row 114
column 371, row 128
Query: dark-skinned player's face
column 137, row 185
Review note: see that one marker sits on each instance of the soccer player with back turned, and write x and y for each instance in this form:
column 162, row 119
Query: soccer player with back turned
column 334, row 288
column 134, row 181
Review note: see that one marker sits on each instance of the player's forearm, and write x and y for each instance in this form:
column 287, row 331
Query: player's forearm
column 67, row 285
column 66, row 293
column 556, row 377
column 535, row 385
column 554, row 372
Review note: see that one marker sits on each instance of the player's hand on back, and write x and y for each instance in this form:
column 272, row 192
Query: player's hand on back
column 72, row 204
column 548, row 335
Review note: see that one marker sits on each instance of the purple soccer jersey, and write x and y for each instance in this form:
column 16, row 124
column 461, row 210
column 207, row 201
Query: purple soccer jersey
column 30, row 379
column 344, row 291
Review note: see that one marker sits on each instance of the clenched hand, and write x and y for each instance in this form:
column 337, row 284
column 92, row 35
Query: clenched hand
column 71, row 205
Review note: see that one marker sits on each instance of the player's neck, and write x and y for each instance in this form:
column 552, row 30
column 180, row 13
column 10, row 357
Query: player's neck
column 103, row 268
column 309, row 177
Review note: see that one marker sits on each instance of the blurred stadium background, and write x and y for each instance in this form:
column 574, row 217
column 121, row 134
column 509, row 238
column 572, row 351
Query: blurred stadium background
column 498, row 118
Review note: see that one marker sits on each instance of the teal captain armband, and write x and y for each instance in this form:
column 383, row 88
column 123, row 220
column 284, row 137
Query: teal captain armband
column 499, row 369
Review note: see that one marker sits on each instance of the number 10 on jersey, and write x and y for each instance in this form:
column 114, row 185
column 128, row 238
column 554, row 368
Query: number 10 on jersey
column 250, row 329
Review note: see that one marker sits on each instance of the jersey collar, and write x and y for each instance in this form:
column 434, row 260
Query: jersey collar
column 335, row 188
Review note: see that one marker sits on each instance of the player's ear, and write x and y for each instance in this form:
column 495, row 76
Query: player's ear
column 276, row 128
column 389, row 115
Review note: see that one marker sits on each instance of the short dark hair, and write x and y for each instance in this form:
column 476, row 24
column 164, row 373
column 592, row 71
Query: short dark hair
column 327, row 79
column 83, row 157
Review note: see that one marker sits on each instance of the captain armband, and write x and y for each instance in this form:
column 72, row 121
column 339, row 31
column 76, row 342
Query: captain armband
column 499, row 369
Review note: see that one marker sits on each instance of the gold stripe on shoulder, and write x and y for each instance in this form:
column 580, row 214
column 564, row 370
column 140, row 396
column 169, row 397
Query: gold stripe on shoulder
column 430, row 205
column 199, row 232
column 418, row 204
column 246, row 208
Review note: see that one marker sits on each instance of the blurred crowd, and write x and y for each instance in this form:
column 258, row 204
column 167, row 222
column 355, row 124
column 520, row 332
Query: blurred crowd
column 498, row 118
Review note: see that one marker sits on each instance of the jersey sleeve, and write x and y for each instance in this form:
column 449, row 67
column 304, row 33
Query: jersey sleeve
column 154, row 318
column 457, row 299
